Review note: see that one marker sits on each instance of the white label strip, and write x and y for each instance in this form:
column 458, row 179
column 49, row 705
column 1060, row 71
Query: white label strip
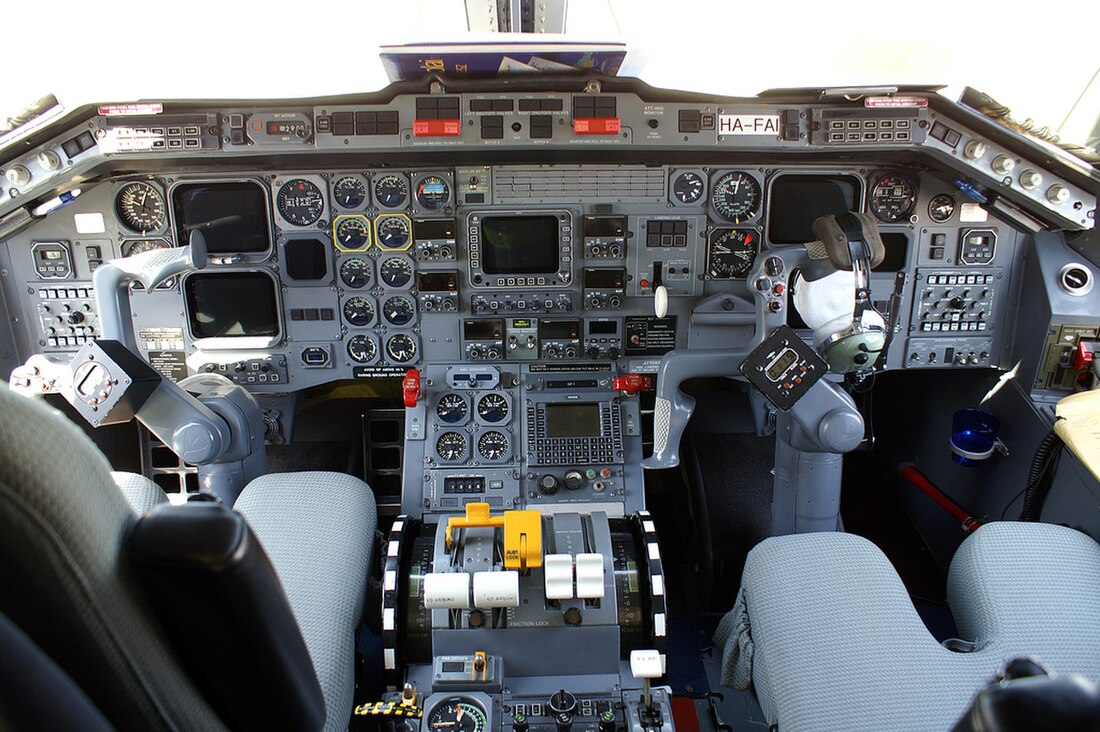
column 748, row 124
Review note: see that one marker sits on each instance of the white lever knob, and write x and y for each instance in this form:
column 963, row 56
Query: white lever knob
column 660, row 301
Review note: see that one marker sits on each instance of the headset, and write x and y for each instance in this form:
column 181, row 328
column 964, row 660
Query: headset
column 832, row 292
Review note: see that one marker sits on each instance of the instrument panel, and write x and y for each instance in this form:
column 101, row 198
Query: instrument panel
column 361, row 273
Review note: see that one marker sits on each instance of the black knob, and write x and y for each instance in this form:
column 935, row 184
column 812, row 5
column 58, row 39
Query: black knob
column 549, row 484
column 593, row 352
column 519, row 723
column 563, row 722
column 613, row 353
column 562, row 702
column 607, row 721
column 76, row 318
column 573, row 480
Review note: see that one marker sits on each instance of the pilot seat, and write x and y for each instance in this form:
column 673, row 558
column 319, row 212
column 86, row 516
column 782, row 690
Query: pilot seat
column 825, row 632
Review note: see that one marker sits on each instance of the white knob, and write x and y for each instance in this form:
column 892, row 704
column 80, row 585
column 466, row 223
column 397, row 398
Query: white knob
column 1003, row 165
column 647, row 664
column 18, row 175
column 660, row 301
column 49, row 160
column 1057, row 193
column 974, row 150
column 1030, row 179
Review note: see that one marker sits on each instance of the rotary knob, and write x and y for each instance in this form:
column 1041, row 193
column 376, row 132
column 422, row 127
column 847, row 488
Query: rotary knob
column 974, row 150
column 1057, row 193
column 1003, row 165
column 49, row 160
column 18, row 175
column 1030, row 179
column 549, row 484
column 562, row 702
column 573, row 480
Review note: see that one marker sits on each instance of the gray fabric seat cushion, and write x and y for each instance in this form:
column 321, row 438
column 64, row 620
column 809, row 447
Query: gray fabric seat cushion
column 140, row 492
column 318, row 530
column 826, row 632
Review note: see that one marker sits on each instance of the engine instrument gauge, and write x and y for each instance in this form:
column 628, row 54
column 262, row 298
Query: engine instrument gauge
column 432, row 192
column 398, row 310
column 391, row 191
column 300, row 202
column 688, row 187
column 358, row 311
column 451, row 446
column 352, row 233
column 393, row 232
column 893, row 197
column 457, row 714
column 141, row 207
column 730, row 253
column 362, row 348
column 736, row 197
column 355, row 272
column 492, row 408
column 941, row 208
column 349, row 192
column 401, row 347
column 452, row 408
column 395, row 271
column 492, row 445
column 140, row 246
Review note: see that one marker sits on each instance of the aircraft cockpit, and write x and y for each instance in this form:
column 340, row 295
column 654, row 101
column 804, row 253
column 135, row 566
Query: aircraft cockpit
column 549, row 402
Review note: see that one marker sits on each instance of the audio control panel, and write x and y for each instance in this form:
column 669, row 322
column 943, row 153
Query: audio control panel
column 66, row 315
column 956, row 301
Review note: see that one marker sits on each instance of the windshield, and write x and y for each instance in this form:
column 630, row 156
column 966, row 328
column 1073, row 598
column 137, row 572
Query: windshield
column 1038, row 63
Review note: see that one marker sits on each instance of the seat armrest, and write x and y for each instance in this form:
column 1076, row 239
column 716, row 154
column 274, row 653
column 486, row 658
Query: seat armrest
column 225, row 611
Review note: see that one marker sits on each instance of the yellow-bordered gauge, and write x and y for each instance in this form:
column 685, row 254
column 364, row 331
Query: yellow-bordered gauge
column 393, row 232
column 351, row 233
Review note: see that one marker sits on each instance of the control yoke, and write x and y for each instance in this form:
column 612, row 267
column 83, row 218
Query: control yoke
column 206, row 419
column 673, row 408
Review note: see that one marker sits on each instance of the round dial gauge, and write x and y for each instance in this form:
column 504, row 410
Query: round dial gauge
column 736, row 197
column 452, row 408
column 393, row 231
column 355, row 272
column 358, row 311
column 396, row 271
column 941, row 208
column 432, row 192
column 130, row 248
column 893, row 198
column 391, row 191
column 141, row 207
column 730, row 253
column 688, row 187
column 457, row 715
column 300, row 202
column 451, row 446
column 349, row 192
column 492, row 408
column 401, row 347
column 398, row 310
column 362, row 348
column 492, row 445
column 352, row 233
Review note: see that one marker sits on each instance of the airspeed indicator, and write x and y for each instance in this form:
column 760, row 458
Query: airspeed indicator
column 731, row 253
